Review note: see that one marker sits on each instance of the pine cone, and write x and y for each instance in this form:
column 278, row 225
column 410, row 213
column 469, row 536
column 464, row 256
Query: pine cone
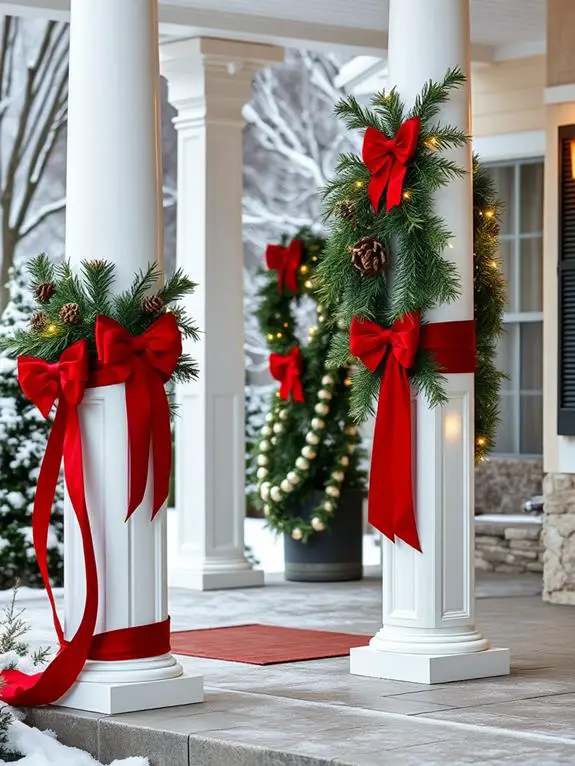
column 153, row 304
column 347, row 210
column 369, row 256
column 45, row 291
column 69, row 313
column 39, row 321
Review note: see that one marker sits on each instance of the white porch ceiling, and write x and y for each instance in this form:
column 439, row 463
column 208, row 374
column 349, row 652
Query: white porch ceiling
column 501, row 29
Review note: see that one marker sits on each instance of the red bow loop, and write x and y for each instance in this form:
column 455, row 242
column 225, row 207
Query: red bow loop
column 386, row 159
column 44, row 382
column 286, row 261
column 287, row 370
column 370, row 342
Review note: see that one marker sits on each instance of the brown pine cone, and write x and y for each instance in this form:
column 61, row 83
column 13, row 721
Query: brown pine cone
column 369, row 256
column 45, row 291
column 69, row 313
column 153, row 304
column 39, row 321
column 347, row 210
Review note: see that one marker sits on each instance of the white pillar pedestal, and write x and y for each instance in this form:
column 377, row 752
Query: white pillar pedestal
column 114, row 212
column 209, row 82
column 428, row 633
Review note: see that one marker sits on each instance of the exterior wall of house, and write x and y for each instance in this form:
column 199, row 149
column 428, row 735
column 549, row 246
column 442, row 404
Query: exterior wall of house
column 507, row 97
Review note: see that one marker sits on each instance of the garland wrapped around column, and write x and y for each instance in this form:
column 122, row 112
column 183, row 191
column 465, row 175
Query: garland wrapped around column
column 309, row 441
column 83, row 336
column 384, row 267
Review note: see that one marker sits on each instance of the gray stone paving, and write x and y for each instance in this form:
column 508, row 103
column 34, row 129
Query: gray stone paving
column 315, row 713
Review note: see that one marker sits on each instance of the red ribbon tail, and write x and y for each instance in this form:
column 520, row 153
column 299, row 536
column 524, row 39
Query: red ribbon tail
column 390, row 504
column 50, row 685
column 395, row 186
column 138, row 411
column 161, row 442
column 376, row 187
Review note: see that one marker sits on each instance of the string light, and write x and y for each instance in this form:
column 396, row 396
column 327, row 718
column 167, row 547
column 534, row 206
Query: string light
column 406, row 195
column 52, row 329
column 494, row 265
column 308, row 284
column 431, row 142
column 359, row 184
column 489, row 213
column 286, row 324
column 314, row 258
column 303, row 269
column 481, row 441
column 312, row 330
column 347, row 382
column 279, row 335
column 270, row 336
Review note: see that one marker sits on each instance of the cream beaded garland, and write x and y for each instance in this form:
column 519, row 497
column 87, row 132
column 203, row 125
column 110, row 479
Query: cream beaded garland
column 267, row 510
column 265, row 490
column 293, row 478
column 309, row 453
column 323, row 393
column 302, row 463
column 321, row 408
column 262, row 460
column 278, row 428
column 296, row 533
column 344, row 460
column 328, row 506
column 262, row 472
column 318, row 424
column 275, row 494
column 269, row 417
column 312, row 438
column 266, row 431
column 331, row 491
column 337, row 476
column 284, row 414
column 317, row 524
column 286, row 486
column 351, row 431
column 327, row 380
column 265, row 446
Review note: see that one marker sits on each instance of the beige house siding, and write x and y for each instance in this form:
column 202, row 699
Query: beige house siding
column 508, row 97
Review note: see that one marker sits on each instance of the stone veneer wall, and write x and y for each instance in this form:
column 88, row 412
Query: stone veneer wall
column 512, row 547
column 559, row 538
column 502, row 484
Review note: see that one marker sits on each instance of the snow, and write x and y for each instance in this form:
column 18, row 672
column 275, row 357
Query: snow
column 41, row 748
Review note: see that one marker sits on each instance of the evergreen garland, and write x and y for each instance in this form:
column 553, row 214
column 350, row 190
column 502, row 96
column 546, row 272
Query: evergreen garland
column 69, row 302
column 311, row 445
column 414, row 238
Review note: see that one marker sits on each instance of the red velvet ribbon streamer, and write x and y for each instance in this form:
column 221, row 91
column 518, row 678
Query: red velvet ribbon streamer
column 286, row 261
column 386, row 159
column 287, row 369
column 391, row 507
column 146, row 360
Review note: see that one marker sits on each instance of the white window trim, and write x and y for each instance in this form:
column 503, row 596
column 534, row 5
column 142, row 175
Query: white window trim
column 510, row 147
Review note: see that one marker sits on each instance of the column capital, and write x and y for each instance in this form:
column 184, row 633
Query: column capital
column 211, row 78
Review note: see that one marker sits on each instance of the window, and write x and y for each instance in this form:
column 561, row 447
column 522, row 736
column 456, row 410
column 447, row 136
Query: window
column 520, row 352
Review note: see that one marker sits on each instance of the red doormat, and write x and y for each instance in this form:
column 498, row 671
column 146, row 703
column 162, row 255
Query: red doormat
column 264, row 644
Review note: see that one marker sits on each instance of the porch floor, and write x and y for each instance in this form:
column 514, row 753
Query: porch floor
column 315, row 713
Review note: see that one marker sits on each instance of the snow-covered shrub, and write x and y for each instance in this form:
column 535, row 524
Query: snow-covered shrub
column 23, row 435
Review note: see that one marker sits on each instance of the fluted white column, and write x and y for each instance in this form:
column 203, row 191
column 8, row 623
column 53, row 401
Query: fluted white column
column 209, row 82
column 114, row 212
column 428, row 633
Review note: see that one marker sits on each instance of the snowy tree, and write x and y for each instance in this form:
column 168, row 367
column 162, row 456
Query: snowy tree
column 291, row 146
column 33, row 114
column 23, row 435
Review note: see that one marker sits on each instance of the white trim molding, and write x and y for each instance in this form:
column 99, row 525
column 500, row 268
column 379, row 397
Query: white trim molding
column 510, row 146
column 560, row 94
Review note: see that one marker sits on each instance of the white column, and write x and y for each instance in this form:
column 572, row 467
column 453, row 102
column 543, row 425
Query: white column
column 209, row 82
column 114, row 212
column 428, row 633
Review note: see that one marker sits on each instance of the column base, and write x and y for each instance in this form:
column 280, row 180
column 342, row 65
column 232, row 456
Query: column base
column 112, row 698
column 428, row 668
column 230, row 578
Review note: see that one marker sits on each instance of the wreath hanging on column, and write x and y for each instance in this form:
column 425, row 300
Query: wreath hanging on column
column 309, row 441
column 385, row 223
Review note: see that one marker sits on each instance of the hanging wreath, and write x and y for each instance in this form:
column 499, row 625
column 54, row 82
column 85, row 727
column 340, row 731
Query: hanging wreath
column 383, row 204
column 309, row 441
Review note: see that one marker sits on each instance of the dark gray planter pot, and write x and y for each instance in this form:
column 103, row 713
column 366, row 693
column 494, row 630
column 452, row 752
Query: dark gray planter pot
column 335, row 555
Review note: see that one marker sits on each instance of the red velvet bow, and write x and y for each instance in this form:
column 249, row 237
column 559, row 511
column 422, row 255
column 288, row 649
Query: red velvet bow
column 386, row 159
column 390, row 504
column 43, row 383
column 145, row 362
column 286, row 260
column 287, row 369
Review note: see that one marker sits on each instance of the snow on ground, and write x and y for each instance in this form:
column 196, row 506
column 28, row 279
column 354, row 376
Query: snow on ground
column 41, row 748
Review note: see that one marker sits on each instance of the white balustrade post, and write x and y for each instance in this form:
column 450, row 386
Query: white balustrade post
column 114, row 212
column 209, row 82
column 428, row 633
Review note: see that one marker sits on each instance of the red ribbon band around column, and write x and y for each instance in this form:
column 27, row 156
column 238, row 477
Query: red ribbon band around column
column 391, row 506
column 286, row 260
column 386, row 159
column 144, row 363
column 287, row 369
